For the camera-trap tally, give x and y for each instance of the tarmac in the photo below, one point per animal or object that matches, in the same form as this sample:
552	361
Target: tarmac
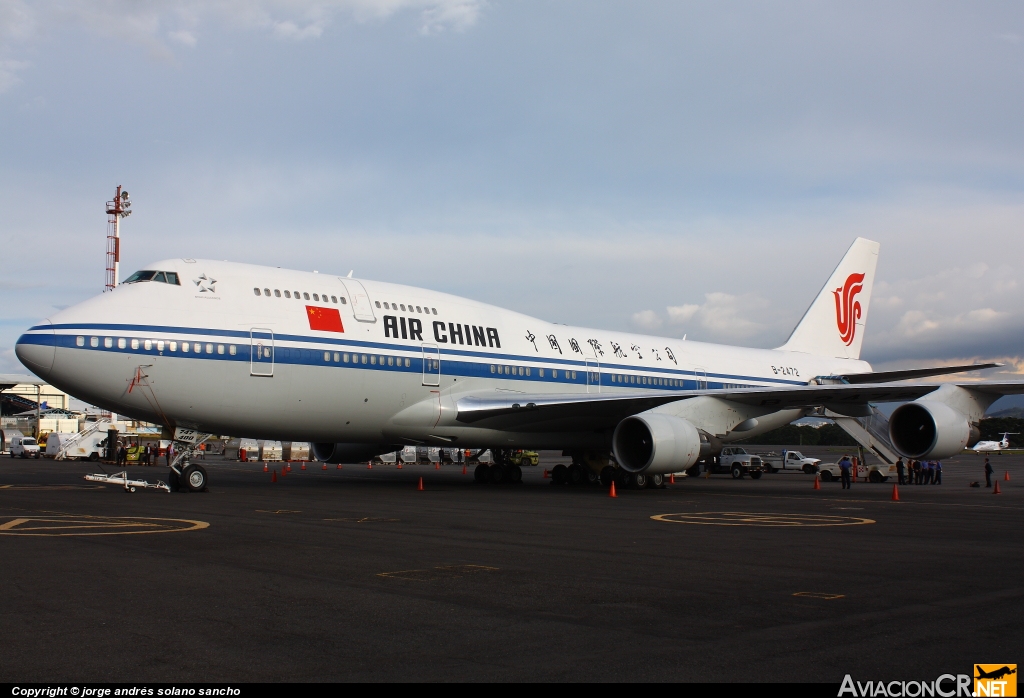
356	575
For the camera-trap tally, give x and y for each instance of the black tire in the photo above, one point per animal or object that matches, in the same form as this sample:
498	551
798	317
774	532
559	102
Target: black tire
515	474
497	474
874	476
481	474
575	474
173	481
93	457
559	474
737	472
194	478
810	469
756	475
826	476
607	476
694	470
656	481
590	477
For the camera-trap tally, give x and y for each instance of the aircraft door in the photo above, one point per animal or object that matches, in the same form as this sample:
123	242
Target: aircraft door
702	378
362	308
593	376
431	365
261	352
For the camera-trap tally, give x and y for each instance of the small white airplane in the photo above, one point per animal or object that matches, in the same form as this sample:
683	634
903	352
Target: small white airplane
361	368
994	445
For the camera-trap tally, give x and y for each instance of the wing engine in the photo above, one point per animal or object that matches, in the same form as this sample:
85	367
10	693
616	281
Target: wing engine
656	443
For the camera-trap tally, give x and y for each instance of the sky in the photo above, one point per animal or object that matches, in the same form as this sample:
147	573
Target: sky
675	168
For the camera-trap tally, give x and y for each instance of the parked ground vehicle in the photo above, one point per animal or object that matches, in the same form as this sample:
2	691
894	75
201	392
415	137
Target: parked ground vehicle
872	473
56	441
24	447
522	458
737	462
789	460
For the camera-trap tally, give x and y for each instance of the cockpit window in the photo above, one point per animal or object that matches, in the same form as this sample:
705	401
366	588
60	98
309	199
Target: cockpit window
164	277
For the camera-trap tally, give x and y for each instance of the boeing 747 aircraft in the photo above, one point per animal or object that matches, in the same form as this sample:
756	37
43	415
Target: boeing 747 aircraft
363	367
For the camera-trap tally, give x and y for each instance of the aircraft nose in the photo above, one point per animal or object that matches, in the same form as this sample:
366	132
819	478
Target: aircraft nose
37	348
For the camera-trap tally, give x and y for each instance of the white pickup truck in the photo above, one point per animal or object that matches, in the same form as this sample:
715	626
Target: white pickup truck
789	460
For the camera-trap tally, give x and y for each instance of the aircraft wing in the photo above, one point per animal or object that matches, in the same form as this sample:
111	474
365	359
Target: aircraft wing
509	410
910	374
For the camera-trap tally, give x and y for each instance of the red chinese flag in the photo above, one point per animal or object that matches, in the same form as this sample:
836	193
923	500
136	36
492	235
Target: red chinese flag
325	319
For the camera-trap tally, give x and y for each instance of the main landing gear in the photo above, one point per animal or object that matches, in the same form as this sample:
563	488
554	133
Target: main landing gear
598	469
502	471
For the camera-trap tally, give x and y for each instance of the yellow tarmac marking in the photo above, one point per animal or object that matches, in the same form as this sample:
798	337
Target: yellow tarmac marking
819	595
745	518
441	572
70	525
278	511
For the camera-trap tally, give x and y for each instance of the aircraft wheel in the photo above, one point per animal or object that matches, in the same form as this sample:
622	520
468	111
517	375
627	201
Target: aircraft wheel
576	475
875	476
826	476
640	481
195	478
737	472
497	474
515	474
756	475
655	481
607	475
559	474
481	474
591	478
173	482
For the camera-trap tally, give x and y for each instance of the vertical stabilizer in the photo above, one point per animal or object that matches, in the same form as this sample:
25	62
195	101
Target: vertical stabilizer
834	324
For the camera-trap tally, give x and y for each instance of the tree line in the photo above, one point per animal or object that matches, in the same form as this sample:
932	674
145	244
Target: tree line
832	434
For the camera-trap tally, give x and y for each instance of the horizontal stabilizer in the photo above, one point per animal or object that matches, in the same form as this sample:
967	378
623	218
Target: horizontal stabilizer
890	376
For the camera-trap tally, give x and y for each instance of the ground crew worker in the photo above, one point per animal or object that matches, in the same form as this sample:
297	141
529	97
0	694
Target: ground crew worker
900	470
844	470
938	472
988	473
122	454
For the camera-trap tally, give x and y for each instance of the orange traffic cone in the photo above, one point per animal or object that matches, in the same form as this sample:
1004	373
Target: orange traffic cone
339	466
303	465
817	483
463	468
265	469
288	467
546	474
399	465
437	466
283	472
611	491
996	490
325	466
895	494
672	478
369	465
420	488
273	478
1006	476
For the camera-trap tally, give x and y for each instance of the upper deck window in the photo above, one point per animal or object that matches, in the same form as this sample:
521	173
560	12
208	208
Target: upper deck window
164	277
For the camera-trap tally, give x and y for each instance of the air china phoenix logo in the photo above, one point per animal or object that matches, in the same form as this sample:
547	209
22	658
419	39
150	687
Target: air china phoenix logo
848	309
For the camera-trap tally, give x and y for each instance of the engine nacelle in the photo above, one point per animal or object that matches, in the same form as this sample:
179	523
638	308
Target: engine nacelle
656	443
347	453
929	429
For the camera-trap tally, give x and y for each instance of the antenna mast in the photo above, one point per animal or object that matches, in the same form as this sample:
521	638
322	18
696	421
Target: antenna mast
120	207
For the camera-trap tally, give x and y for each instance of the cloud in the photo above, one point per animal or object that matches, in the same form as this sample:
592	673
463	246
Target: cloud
9	73
678	314
647	320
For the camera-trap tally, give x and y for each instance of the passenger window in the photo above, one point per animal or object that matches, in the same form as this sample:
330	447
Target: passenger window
184	347
386	306
297	295
220	348
373	359
403	306
147	345
94	341
344	358
266	292
377	303
554	373
277	293
79	341
316	297
408	363
574	375
391	361
434	310
209	348
327	356
334	299
362	358
160	345
418	309
541	372
305	295
121	343
232	350
343	301
287	294
492	368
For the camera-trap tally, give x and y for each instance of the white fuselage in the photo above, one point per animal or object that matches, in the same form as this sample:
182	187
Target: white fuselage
211	354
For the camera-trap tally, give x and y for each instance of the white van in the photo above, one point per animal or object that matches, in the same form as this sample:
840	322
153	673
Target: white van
24	446
55	441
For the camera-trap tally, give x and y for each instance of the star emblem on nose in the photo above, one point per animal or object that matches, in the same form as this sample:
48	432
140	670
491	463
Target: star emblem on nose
205	283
